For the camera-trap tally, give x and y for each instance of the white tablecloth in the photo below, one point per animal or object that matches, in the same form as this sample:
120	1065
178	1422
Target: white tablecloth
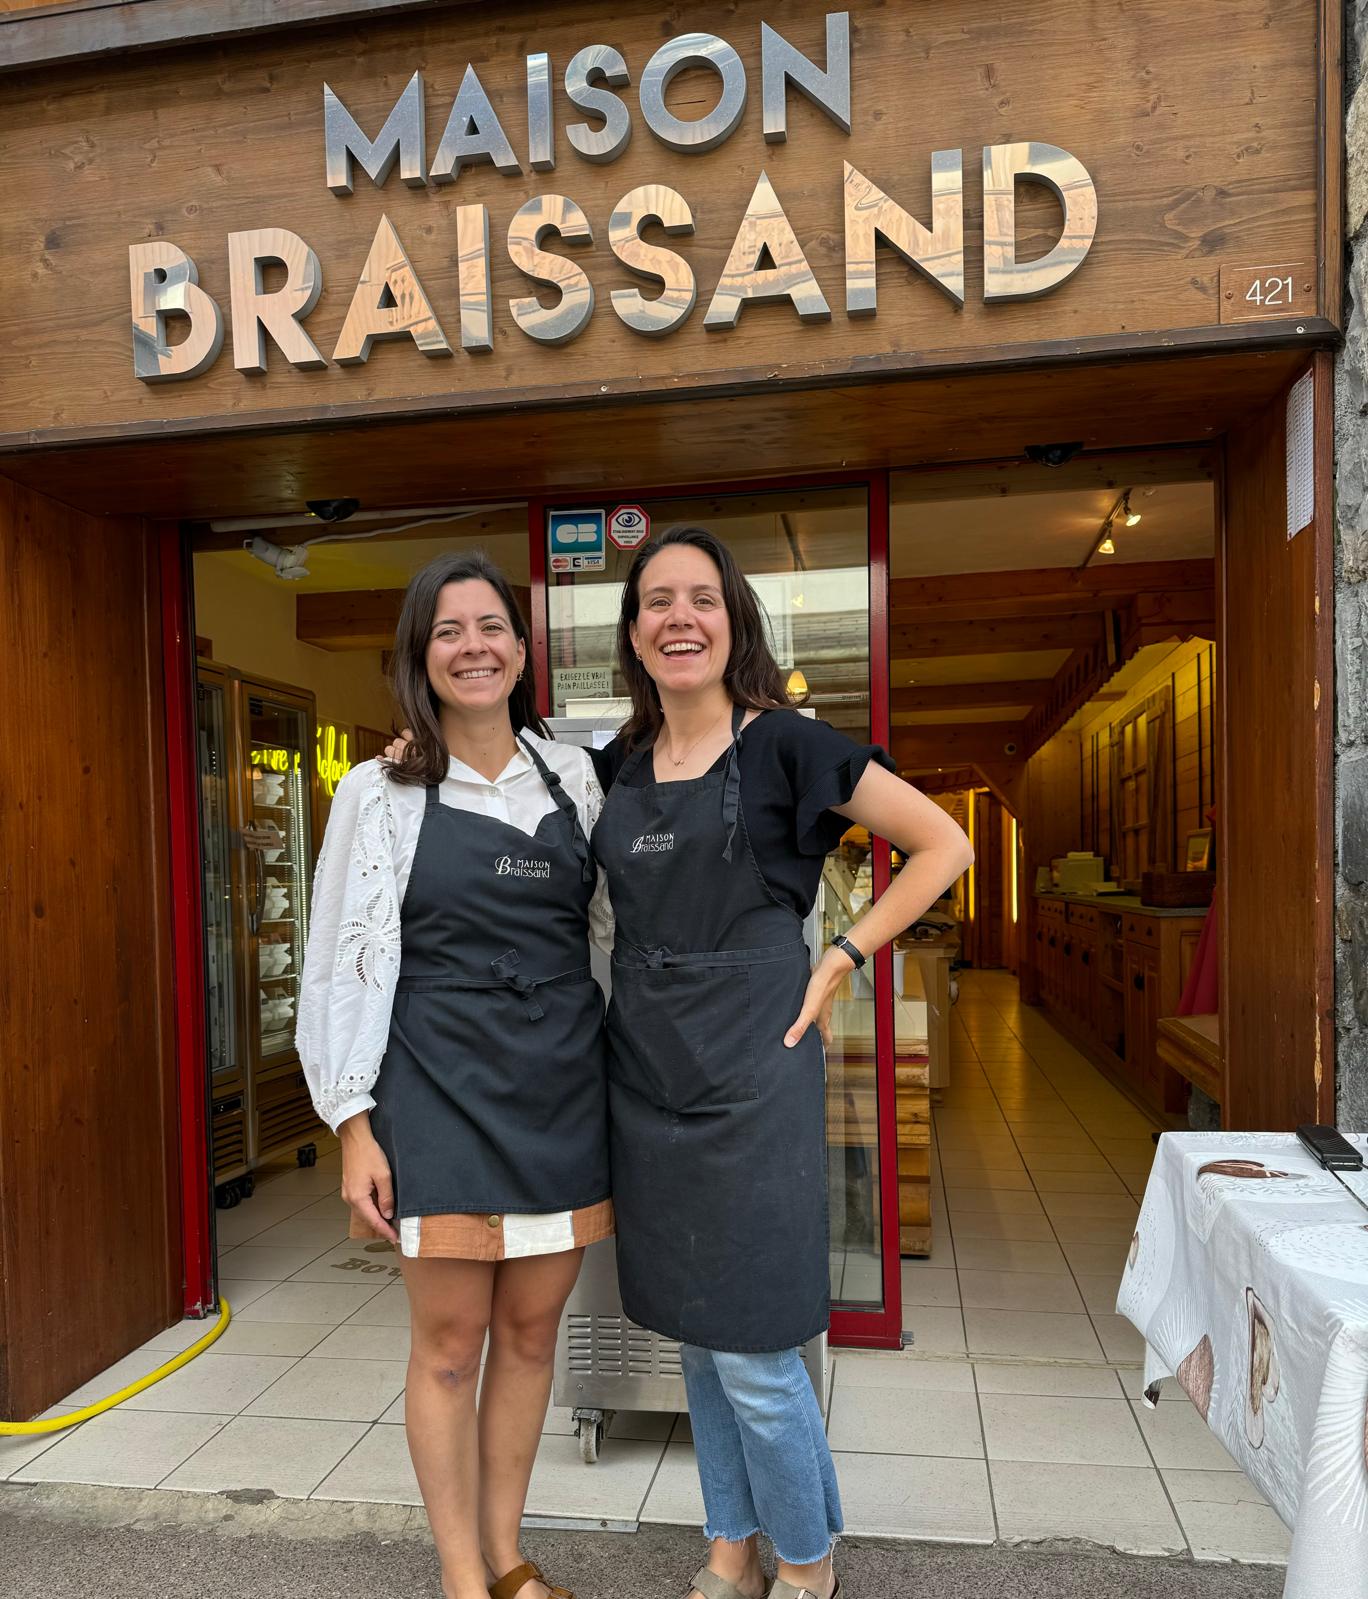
1248	1278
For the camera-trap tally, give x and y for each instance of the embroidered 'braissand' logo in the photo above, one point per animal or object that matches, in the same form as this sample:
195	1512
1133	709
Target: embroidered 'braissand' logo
652	843
506	866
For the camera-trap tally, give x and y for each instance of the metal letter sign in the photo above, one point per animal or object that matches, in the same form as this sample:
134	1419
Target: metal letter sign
563	249
575	541
629	526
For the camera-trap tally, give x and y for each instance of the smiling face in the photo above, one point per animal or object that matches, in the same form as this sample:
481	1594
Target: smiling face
681	631
473	655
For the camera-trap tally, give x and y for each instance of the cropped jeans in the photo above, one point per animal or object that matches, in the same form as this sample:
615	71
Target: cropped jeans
763	1459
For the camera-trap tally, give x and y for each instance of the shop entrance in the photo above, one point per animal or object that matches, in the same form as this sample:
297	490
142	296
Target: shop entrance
291	693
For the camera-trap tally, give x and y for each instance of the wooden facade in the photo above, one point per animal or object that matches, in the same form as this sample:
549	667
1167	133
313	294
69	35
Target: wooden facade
1204	128
90	1226
1199	126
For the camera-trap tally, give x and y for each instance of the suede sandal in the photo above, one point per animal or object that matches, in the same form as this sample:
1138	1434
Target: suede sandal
786	1590
511	1581
711	1586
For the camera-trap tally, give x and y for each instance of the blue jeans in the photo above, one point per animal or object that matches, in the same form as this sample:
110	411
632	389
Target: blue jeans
763	1458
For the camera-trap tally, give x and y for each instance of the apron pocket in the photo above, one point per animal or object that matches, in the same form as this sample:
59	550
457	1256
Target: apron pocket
681	1037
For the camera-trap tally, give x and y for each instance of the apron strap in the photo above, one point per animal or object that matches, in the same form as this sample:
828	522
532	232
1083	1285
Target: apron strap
629	766
566	806
731	788
433	800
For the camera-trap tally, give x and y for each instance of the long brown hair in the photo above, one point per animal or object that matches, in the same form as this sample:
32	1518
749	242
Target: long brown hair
425	760
753	677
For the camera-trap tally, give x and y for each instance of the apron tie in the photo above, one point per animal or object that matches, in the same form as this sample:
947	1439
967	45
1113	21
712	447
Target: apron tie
505	969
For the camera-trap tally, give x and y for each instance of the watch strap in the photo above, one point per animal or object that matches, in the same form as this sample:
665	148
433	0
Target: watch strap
842	943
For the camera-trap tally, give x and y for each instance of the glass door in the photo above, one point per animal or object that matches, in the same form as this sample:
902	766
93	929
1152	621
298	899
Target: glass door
222	1042
806	552
278	834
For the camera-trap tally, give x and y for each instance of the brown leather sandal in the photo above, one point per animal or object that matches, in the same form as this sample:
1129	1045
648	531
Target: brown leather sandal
511	1581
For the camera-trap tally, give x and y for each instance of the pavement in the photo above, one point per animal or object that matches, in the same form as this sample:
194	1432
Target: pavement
71	1541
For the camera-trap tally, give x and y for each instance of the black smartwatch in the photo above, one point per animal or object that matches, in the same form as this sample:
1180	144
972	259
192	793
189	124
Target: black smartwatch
842	943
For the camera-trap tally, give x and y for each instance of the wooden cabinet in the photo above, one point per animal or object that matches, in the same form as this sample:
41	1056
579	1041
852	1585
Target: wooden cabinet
1107	975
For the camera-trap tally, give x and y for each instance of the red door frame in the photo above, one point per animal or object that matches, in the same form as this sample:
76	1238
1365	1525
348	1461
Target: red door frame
187	922
870	1329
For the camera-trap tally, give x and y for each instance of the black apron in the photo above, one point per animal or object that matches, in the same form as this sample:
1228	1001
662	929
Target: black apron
717	1133
492	1096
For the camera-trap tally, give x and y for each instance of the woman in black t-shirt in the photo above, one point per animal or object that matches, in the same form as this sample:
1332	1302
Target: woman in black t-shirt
723	802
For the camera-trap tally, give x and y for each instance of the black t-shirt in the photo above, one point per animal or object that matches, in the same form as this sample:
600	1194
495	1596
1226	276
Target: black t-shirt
793	770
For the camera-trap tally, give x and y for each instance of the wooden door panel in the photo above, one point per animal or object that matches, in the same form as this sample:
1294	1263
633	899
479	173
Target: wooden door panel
1276	807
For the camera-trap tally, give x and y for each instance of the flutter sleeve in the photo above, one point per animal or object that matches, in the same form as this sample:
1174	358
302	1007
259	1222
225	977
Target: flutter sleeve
825	768
351	964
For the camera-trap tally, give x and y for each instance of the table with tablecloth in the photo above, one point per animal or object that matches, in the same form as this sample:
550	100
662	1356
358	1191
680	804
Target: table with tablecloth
1248	1278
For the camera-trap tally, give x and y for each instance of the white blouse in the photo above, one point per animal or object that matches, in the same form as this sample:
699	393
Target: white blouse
351	965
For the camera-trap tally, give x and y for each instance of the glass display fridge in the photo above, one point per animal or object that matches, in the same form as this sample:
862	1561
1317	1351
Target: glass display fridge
258	806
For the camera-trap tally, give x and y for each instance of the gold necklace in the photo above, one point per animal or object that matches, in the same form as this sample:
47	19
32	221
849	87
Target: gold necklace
692	747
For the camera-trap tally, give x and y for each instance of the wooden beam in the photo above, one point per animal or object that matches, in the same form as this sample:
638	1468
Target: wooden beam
916	748
1156	617
937	639
356	619
1081	676
969	696
947	780
1045	591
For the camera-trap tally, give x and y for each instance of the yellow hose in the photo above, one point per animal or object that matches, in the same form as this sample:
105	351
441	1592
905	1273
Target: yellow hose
20	1429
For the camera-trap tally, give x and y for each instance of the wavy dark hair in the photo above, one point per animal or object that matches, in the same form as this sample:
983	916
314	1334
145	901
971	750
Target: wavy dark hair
753	677
425	759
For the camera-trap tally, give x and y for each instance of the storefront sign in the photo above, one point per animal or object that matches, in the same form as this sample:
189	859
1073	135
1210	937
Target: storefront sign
766	260
582	683
629	526
498	211
575	541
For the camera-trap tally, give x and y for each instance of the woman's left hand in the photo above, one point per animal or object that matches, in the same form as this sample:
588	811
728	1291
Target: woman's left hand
827	976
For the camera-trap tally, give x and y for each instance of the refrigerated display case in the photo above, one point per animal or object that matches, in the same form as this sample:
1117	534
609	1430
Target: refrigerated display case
258	810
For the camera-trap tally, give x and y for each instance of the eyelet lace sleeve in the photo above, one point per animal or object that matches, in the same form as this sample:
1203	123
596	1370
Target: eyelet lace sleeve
601	923
352	961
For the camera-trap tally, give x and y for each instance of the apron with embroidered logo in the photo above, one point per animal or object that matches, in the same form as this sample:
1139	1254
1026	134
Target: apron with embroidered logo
492	1094
717	1132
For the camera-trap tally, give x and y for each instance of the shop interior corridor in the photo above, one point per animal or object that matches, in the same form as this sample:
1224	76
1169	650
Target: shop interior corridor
1013	1415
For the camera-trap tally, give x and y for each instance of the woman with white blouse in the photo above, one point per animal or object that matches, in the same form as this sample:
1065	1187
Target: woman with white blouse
452	1036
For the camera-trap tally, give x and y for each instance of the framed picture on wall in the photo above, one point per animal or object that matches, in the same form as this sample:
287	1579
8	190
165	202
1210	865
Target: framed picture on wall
1197	857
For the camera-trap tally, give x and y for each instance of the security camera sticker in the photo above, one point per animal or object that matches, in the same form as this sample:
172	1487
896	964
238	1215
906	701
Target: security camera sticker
576	541
629	526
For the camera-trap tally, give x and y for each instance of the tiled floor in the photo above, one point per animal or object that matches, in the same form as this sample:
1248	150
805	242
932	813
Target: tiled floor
1014	1415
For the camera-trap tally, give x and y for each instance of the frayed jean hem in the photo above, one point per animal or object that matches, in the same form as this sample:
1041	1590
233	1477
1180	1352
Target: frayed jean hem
711	1534
808	1560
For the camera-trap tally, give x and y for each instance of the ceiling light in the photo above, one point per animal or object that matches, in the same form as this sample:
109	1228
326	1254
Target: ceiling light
797	684
1132	517
798	602
1107	546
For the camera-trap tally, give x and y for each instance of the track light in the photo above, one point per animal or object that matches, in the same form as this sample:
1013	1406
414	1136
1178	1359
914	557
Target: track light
1108	545
1132	517
797	684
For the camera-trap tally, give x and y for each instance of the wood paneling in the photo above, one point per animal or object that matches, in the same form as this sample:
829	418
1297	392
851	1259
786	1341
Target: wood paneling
1276	826
1051	591
1051	825
89	1232
228	135
693	441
